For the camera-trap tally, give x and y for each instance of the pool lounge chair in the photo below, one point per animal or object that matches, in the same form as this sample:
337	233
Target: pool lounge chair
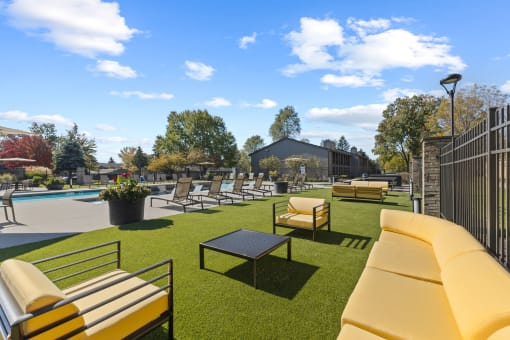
238	190
7	202
181	195
215	191
257	188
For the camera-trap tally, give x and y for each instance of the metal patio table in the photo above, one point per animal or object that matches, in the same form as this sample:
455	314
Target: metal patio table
247	244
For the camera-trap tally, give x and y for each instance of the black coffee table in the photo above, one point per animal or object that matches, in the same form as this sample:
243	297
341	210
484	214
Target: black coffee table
247	244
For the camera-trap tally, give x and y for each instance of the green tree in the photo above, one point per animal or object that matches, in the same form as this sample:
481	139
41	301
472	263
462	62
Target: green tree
140	159
199	130
88	146
70	156
403	126
270	163
111	161
343	144
286	124
47	131
244	162
471	106
253	143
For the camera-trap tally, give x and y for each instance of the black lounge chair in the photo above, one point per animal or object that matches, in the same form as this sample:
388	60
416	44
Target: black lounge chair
257	187
7	202
238	190
181	195
215	191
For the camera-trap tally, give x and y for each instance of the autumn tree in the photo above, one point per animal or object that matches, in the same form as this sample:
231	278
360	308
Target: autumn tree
270	163
166	163
28	146
126	156
197	130
472	104
286	124
403	127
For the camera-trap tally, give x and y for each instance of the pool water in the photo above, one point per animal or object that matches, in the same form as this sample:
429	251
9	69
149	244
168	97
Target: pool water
57	195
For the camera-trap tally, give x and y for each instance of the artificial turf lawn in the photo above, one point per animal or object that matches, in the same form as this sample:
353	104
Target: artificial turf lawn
301	299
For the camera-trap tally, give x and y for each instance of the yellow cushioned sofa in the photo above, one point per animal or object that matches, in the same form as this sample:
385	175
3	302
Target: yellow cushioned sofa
357	192
372	184
427	278
112	305
302	213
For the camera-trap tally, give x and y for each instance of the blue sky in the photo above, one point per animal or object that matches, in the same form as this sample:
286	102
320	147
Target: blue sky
118	68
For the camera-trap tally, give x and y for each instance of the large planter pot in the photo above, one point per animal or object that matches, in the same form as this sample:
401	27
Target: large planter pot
280	187
124	212
55	186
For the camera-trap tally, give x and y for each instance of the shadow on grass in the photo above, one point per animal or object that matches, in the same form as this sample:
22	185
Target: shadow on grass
367	201
207	211
15	251
275	275
157	223
333	237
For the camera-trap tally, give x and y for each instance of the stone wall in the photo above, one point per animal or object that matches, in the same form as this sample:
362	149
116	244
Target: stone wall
431	174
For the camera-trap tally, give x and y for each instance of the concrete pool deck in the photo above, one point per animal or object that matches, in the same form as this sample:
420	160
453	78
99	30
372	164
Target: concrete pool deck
40	220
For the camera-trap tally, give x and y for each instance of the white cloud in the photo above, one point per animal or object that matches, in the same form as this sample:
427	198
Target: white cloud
363	56
266	104
105	127
311	43
506	87
199	71
143	95
113	139
84	27
15	115
247	39
362	27
351	80
114	70
391	94
218	102
367	116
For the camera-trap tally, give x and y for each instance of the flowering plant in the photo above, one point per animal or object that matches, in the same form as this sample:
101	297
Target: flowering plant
128	190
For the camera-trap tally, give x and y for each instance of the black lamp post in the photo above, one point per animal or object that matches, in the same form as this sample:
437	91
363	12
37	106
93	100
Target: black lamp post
452	79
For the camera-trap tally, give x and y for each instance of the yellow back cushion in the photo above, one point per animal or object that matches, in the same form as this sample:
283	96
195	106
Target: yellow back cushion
360	183
29	286
453	241
304	205
478	291
420	226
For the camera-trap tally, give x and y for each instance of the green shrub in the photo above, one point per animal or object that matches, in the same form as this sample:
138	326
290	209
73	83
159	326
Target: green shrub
7	178
55	180
37	180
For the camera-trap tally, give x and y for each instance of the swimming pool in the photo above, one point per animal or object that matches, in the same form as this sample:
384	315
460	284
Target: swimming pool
57	195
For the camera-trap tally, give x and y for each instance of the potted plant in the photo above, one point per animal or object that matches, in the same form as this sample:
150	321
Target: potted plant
126	201
55	183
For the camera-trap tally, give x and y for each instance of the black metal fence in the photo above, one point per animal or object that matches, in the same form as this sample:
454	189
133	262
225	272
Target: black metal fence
476	195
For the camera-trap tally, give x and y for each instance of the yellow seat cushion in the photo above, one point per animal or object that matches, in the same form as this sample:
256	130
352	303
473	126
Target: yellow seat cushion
350	332
344	191
305	205
301	220
125	322
501	334
399	307
405	258
420	226
369	192
454	241
478	291
32	291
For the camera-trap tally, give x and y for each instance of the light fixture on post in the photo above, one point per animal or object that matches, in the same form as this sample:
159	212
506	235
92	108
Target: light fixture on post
452	79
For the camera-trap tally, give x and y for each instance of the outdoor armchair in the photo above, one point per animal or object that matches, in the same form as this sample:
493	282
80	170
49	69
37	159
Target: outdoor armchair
302	213
113	304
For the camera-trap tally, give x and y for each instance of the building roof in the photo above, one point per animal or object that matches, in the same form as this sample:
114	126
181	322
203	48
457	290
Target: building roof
298	141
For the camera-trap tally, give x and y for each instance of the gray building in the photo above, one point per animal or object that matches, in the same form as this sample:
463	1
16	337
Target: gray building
333	162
